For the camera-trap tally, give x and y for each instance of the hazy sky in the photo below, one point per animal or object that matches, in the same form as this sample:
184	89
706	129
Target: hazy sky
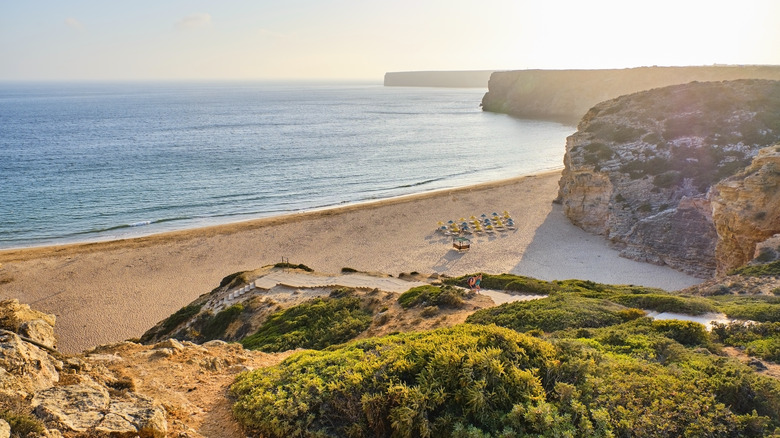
363	39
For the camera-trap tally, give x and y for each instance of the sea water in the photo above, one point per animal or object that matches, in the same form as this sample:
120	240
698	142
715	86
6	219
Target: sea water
99	161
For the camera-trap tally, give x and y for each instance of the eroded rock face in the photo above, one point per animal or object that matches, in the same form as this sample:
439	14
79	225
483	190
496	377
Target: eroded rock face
90	408
24	367
640	167
746	211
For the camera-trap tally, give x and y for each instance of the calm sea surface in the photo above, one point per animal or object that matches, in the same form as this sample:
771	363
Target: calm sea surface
84	162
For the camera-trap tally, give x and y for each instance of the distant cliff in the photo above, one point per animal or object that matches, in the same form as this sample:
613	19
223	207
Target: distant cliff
652	171
451	79
566	95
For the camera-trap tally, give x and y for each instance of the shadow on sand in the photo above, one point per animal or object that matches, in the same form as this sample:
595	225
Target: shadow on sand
561	251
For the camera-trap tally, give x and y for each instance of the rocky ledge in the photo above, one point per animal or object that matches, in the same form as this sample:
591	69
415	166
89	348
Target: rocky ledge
685	175
566	95
122	390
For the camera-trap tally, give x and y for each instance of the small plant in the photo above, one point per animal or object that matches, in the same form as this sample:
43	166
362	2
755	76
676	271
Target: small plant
286	265
429	311
428	295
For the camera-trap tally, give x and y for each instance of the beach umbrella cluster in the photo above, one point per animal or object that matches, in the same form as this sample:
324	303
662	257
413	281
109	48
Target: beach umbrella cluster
477	225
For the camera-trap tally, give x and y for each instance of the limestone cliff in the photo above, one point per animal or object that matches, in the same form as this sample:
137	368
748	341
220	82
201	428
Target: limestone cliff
566	95
639	168
746	210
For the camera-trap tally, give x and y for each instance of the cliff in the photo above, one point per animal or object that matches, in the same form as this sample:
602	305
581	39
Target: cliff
451	79
746	212
566	95
640	168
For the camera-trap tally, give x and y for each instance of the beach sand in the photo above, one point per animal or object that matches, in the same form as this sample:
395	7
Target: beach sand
110	291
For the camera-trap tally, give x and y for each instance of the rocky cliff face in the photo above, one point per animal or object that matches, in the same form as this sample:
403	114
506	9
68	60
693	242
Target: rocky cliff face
566	95
128	390
640	167
746	212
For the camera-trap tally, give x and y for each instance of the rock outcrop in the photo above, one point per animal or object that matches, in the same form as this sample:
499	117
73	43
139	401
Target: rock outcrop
746	212
120	391
640	167
566	95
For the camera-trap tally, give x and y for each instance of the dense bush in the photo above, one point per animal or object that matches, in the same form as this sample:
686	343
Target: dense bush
480	381
418	384
287	265
550	314
170	323
760	340
317	323
664	303
214	328
761	308
428	295
509	283
761	270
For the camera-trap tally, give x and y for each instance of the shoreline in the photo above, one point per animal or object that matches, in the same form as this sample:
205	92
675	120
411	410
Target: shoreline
106	292
258	222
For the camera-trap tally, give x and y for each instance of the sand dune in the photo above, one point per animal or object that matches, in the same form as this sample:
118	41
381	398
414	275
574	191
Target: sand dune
110	291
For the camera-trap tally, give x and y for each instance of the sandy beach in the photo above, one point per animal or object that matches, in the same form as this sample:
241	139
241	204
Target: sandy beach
110	291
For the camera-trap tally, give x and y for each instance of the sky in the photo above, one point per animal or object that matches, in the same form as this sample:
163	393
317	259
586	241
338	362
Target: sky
363	39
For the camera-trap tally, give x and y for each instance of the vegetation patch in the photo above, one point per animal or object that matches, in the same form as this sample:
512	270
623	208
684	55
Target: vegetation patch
761	270
550	314
214	328
317	324
173	321
760	340
509	283
480	381
286	265
428	295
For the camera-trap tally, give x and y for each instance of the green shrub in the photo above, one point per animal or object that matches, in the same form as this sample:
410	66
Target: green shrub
317	323
429	312
760	340
23	424
215	327
509	282
665	303
428	295
417	384
687	333
550	314
170	323
762	312
286	265
762	270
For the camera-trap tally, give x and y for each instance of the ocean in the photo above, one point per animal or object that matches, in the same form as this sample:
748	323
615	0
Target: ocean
99	161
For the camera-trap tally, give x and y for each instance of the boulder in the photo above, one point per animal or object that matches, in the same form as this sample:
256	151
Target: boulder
88	408
39	331
25	367
13	313
746	211
5	429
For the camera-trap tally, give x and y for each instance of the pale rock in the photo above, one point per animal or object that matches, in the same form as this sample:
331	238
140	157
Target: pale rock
25	367
171	344
5	429
13	313
75	407
89	408
746	210
39	331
